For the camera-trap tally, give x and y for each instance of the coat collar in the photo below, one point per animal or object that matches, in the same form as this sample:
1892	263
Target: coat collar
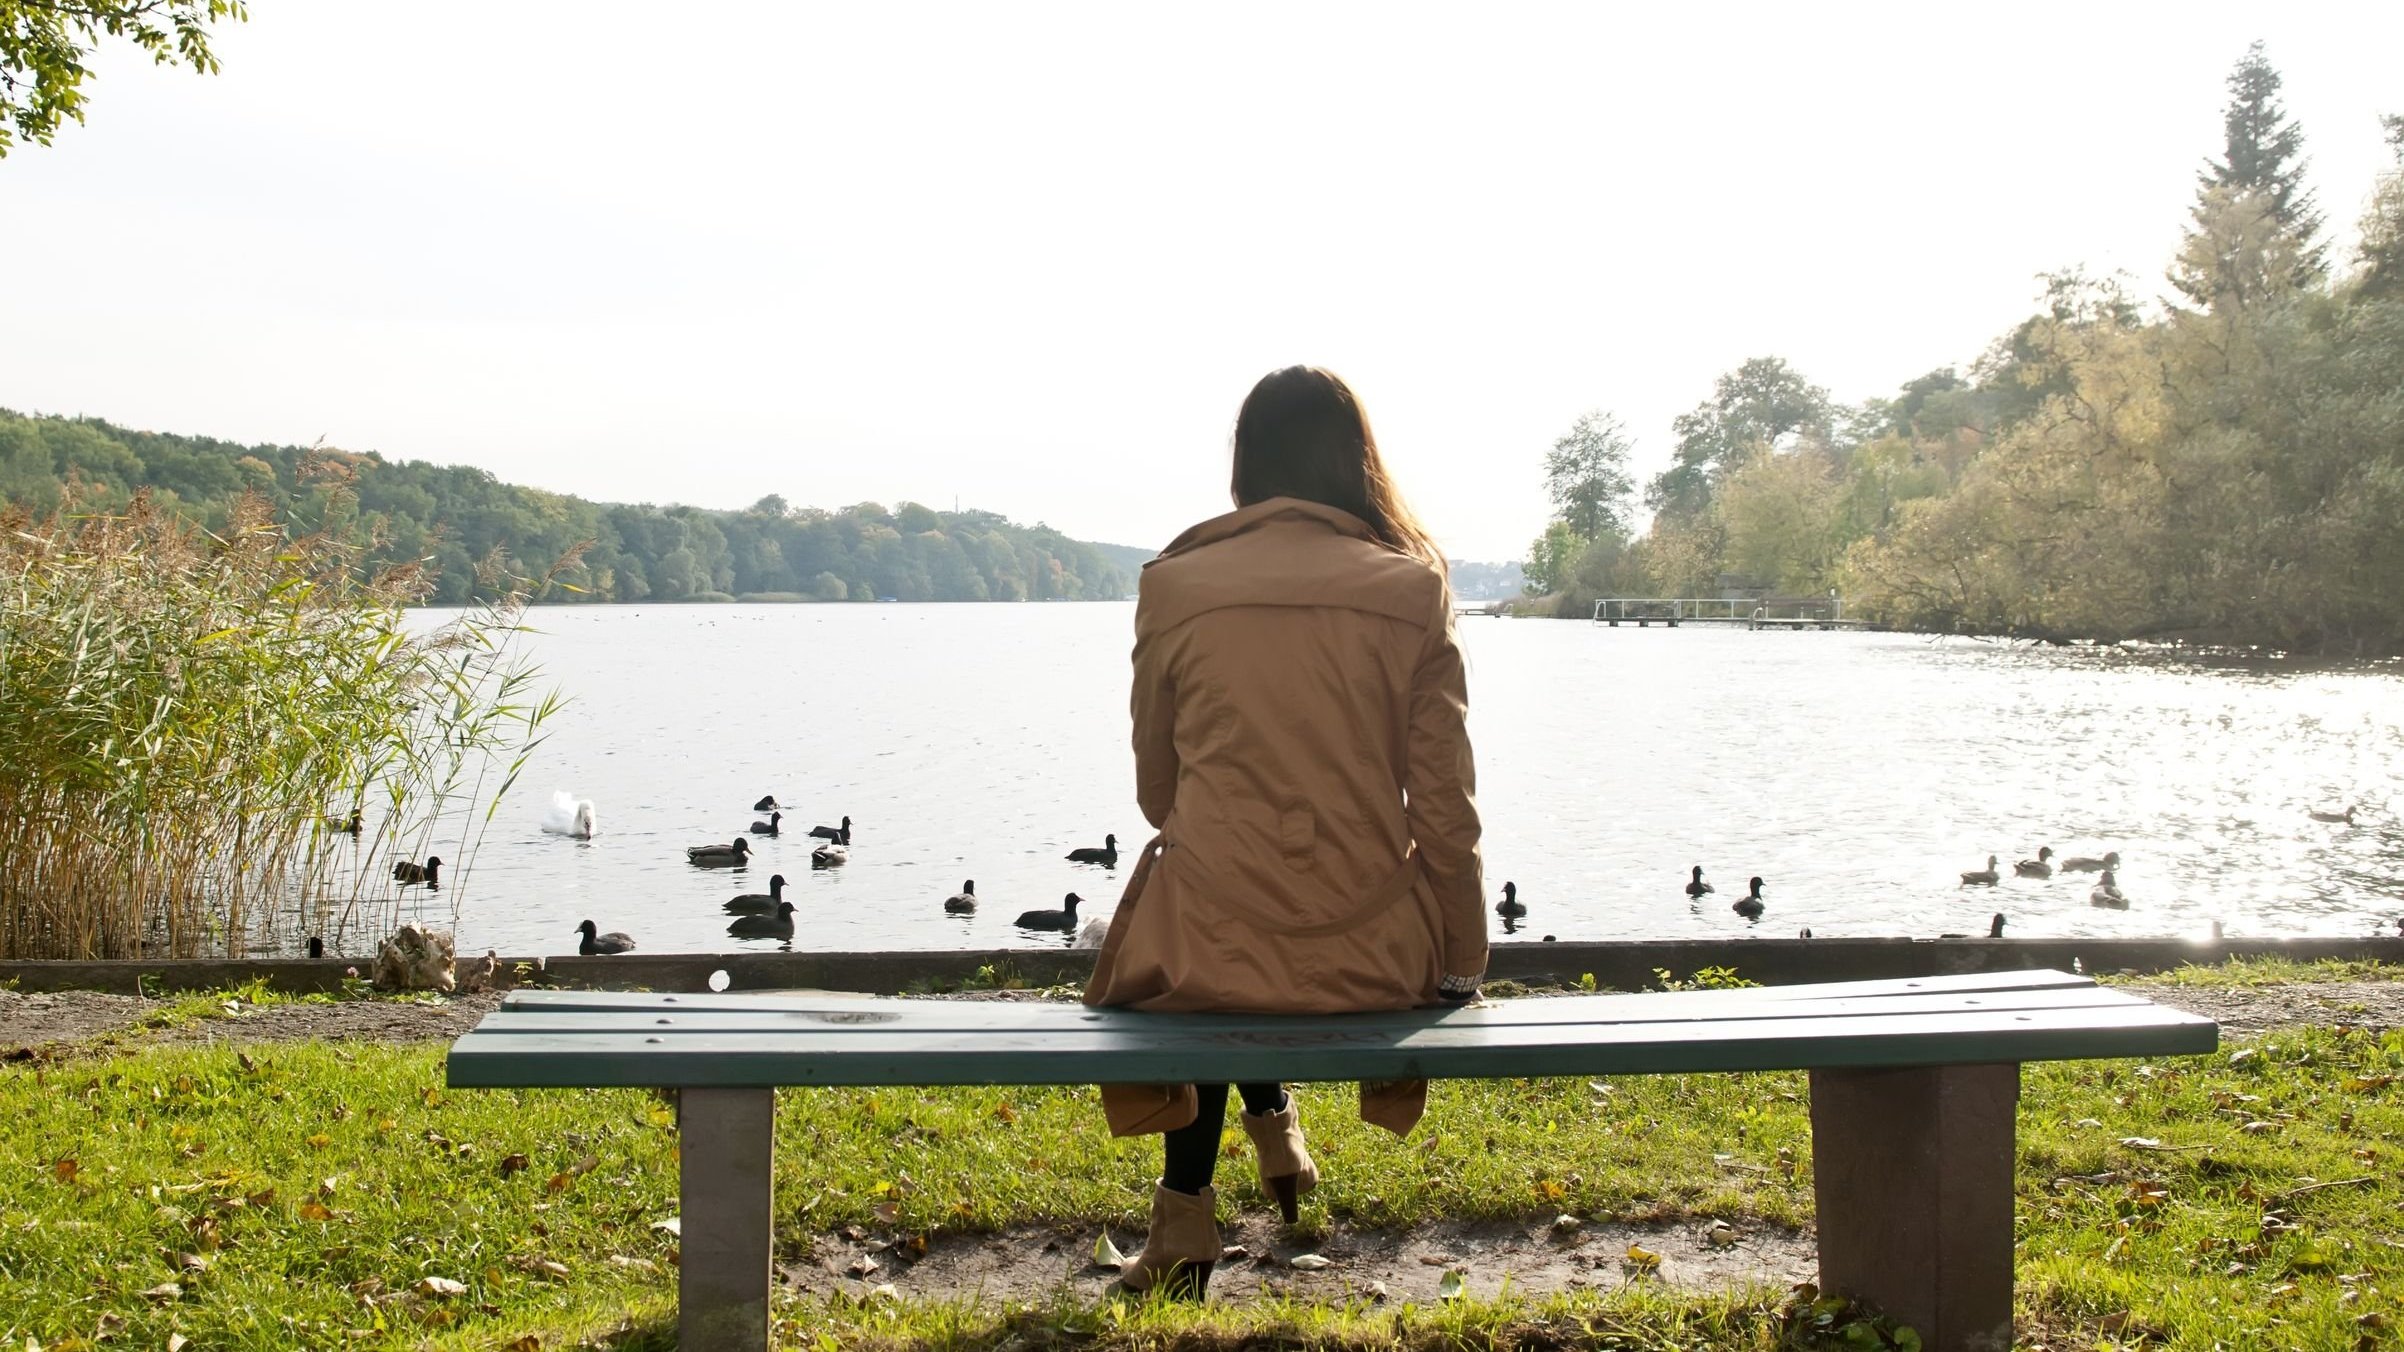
1266	512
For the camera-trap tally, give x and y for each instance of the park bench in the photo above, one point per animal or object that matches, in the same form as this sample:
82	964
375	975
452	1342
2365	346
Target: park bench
1914	1083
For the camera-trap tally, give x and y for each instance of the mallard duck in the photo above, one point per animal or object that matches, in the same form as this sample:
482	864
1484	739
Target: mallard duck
347	826
1063	919
770	827
480	974
838	833
777	926
767	803
612	942
2039	867
2107	894
1107	856
1510	907
2080	863
429	872
963	900
759	903
829	856
1982	877
2344	818
1750	905
569	815
1697	887
719	856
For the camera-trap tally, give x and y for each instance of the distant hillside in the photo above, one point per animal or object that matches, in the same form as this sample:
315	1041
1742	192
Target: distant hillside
457	515
1130	559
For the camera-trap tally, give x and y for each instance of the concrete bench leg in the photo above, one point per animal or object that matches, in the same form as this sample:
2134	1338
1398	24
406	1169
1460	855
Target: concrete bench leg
1913	1183
726	1179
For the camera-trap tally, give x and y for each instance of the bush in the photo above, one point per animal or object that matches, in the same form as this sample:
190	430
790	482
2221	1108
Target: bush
195	721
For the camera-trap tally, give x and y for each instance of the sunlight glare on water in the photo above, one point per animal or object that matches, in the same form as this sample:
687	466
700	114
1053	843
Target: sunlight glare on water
1858	774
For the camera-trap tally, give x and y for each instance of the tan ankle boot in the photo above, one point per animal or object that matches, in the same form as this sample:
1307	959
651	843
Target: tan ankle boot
1286	1168
1179	1248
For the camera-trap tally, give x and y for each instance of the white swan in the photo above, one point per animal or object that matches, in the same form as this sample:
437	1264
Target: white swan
569	815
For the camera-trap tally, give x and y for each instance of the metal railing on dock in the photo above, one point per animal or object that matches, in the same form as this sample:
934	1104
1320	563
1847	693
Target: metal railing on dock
1751	612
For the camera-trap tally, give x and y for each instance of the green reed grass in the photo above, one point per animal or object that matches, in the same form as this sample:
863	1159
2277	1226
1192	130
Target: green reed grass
188	720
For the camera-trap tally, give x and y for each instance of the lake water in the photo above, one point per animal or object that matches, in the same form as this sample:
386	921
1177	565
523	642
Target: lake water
1859	774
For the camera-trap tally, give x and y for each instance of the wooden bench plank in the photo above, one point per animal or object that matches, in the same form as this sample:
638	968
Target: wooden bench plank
1438	1051
898	1016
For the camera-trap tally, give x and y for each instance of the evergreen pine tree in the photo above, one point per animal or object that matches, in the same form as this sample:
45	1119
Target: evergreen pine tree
2262	157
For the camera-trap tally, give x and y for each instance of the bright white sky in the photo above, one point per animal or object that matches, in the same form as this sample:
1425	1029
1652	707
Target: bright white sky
1030	256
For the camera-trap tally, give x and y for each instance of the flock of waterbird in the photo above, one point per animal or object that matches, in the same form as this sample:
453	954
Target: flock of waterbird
768	915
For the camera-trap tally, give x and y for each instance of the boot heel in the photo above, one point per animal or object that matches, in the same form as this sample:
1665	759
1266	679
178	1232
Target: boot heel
1286	1188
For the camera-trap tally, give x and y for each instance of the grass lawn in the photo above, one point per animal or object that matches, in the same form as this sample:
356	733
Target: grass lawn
322	1195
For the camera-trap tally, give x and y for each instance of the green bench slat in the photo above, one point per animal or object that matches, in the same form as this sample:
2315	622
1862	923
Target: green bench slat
937	1017
1446	1046
1567	1009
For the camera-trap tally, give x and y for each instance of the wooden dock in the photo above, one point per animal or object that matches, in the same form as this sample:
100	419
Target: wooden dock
1672	611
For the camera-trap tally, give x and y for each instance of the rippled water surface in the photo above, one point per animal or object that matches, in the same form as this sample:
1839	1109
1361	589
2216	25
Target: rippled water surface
1859	774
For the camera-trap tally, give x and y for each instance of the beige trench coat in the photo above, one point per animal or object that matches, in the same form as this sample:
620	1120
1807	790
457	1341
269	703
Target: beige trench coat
1300	744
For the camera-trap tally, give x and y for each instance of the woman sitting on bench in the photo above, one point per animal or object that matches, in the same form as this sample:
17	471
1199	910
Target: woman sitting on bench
1300	745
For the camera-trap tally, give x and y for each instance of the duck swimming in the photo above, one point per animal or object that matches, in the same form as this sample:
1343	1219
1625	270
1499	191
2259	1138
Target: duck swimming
1107	856
719	856
759	903
963	900
612	942
767	803
769	827
2087	864
1063	919
841	833
1982	877
829	856
1697	887
2039	867
777	926
2345	818
1750	906
429	872
2107	894
1510	907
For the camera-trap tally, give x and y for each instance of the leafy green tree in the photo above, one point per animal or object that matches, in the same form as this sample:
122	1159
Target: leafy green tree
1761	406
2382	251
1550	558
1586	475
2260	172
45	43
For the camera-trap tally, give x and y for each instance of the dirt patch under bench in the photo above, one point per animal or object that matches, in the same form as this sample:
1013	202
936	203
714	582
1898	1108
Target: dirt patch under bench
1035	1263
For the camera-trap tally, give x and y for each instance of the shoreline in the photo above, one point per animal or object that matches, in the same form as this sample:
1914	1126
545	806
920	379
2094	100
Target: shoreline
1629	965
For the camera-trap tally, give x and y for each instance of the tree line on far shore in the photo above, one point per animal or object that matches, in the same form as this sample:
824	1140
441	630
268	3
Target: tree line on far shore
2224	464
459	518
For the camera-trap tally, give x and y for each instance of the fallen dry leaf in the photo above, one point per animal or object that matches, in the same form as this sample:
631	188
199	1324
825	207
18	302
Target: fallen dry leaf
1643	1259
1309	1262
863	1265
65	1170
177	1342
673	1225
164	1292
510	1164
439	1288
523	1343
315	1211
1454	1285
1106	1254
1721	1234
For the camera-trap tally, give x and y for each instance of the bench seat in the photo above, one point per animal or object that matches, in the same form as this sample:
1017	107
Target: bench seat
1913	1087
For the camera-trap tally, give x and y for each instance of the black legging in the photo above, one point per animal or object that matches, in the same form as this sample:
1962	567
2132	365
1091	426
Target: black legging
1191	1152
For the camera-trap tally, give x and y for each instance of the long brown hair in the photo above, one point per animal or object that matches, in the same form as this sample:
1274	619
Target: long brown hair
1302	434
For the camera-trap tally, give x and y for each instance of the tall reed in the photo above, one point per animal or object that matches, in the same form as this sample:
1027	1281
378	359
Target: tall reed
188	721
